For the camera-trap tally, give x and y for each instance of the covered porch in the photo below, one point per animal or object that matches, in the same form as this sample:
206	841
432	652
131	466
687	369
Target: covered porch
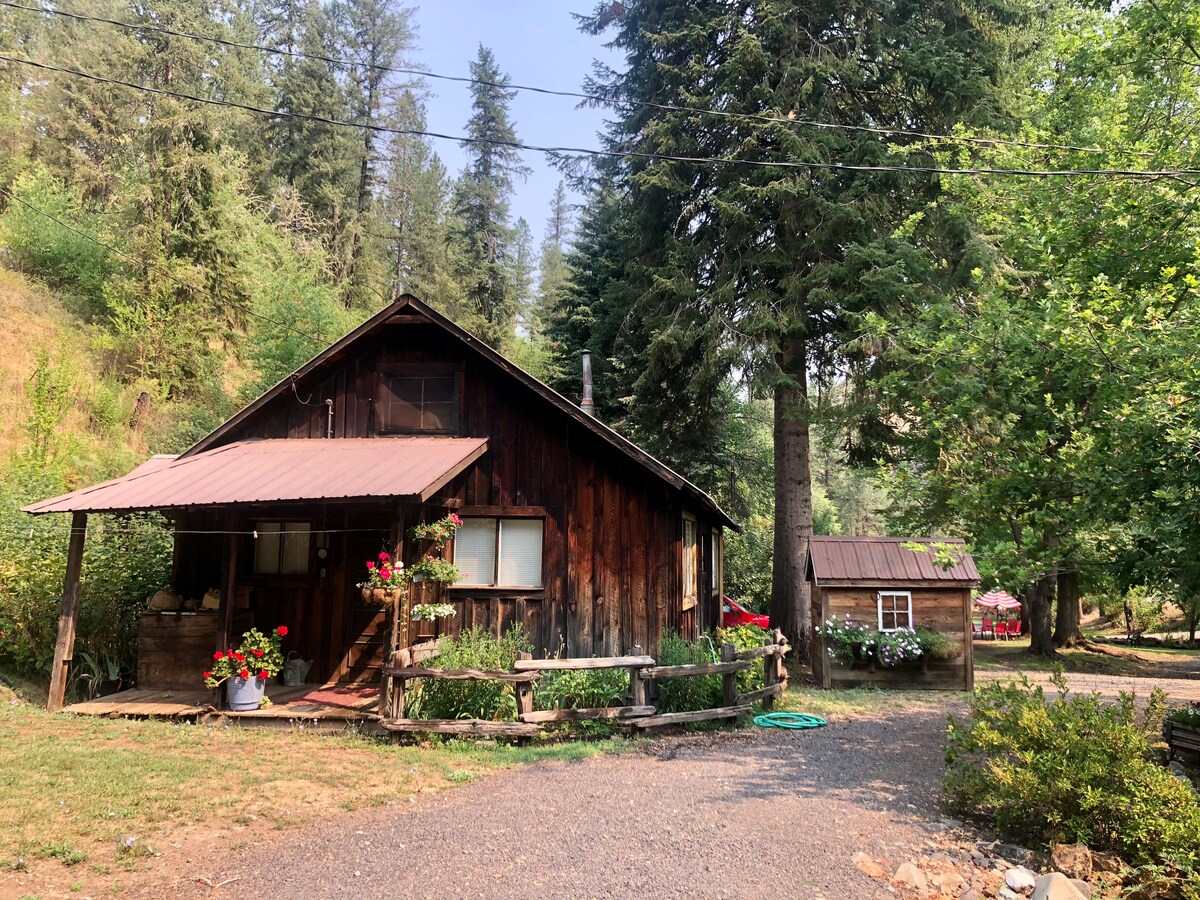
267	533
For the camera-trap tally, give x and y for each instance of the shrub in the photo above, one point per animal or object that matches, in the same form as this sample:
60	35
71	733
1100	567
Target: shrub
688	692
1071	770
746	637
583	689
473	649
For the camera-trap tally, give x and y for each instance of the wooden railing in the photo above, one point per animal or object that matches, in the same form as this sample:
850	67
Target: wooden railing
644	675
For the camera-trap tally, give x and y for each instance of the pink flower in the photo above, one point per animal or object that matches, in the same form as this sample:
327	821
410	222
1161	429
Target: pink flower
384	557
370	564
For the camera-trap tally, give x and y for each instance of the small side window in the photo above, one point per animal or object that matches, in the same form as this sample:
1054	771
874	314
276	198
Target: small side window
895	610
691	559
281	548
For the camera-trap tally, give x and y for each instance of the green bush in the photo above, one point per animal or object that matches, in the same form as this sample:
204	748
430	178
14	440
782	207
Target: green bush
688	692
1073	769
746	637
583	689
473	649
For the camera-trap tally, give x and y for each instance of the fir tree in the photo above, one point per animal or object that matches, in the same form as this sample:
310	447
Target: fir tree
481	202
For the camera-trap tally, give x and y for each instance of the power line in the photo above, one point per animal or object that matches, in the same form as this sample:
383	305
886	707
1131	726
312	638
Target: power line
591	98
149	267
616	154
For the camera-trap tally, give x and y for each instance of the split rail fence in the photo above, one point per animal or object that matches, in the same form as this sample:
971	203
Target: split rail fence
644	675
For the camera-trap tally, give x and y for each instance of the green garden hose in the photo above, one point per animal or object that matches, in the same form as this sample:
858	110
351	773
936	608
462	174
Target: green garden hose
788	720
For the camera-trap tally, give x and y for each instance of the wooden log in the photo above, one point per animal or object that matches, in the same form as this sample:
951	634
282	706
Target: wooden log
718	668
770	692
637	689
462	674
770	680
580	715
524	691
699	715
594	662
463	726
68	617
397	698
760	652
729	679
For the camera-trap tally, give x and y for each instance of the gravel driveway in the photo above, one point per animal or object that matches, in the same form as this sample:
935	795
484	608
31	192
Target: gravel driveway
755	813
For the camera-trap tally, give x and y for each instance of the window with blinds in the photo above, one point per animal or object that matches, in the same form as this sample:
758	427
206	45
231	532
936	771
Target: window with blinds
281	548
494	552
691	568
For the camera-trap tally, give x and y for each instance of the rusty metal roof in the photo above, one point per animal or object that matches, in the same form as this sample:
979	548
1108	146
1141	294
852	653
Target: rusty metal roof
280	470
871	560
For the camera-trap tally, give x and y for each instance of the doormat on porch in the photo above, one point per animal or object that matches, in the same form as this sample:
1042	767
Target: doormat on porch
349	696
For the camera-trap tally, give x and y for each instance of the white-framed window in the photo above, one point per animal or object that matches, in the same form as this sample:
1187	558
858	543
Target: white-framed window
691	561
717	548
497	552
281	548
895	610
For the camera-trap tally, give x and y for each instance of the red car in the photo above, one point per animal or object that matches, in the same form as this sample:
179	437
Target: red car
732	613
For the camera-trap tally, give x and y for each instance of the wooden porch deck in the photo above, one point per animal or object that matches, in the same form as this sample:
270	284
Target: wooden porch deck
337	704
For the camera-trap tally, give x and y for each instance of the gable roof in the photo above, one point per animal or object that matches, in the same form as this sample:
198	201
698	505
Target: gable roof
280	470
408	304
884	560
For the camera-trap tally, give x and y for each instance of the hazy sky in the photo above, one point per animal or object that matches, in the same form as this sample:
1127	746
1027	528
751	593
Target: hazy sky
536	42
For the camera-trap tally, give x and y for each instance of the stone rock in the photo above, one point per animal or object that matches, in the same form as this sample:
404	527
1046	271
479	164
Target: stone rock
1083	887
1006	894
1073	860
868	866
1175	767
971	894
912	876
1107	862
1055	886
1020	879
1020	856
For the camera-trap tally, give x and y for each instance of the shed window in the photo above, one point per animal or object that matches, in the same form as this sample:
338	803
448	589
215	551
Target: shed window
499	553
281	548
895	610
425	403
691	560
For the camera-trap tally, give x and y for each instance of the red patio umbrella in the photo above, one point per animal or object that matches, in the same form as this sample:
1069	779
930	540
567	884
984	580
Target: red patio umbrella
998	599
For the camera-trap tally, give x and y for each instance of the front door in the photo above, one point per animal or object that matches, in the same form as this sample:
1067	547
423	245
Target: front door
367	623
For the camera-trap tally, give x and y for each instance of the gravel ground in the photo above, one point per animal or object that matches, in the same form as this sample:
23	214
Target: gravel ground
755	813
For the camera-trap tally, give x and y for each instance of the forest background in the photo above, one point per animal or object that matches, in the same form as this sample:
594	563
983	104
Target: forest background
824	265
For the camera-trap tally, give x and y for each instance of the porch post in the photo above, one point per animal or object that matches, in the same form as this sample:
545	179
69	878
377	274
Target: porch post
229	590
64	647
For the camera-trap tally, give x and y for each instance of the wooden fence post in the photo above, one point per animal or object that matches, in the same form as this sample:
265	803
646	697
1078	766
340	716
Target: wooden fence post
729	679
524	690
770	678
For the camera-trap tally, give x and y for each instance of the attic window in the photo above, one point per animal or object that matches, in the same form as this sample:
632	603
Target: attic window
424	401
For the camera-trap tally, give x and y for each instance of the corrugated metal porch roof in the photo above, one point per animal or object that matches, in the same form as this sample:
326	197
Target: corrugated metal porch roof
850	560
280	470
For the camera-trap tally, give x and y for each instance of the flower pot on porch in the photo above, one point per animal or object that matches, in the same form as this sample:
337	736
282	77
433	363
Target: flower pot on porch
244	694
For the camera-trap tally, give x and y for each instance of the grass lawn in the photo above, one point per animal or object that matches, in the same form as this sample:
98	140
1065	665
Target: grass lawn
1145	662
73	787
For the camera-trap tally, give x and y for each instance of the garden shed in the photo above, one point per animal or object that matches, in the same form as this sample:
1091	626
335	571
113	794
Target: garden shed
884	585
565	528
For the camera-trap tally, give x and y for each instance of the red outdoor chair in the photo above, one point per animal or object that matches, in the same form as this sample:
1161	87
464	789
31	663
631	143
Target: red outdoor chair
989	628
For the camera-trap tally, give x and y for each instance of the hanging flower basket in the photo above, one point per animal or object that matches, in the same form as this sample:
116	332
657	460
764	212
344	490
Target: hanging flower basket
386	580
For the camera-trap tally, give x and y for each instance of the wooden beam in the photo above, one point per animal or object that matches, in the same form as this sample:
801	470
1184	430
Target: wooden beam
718	668
580	715
699	715
770	692
68	617
229	592
463	726
462	674
594	662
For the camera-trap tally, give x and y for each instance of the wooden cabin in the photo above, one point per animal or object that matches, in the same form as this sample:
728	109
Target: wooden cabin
885	585
577	535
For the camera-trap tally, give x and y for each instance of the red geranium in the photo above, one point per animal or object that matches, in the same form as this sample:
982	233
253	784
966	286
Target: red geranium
385	573
281	631
259	656
384	557
370	564
218	655
244	673
263	674
208	674
257	653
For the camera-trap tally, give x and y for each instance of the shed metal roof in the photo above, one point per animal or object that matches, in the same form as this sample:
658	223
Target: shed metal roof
875	560
280	470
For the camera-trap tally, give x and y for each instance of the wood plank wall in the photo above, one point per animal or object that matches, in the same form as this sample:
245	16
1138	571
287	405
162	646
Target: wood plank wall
612	536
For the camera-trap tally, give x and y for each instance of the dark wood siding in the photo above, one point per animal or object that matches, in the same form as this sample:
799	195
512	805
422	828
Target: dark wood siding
612	530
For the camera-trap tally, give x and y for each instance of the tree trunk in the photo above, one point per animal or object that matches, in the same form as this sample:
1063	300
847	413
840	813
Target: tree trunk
1041	595
791	598
1069	615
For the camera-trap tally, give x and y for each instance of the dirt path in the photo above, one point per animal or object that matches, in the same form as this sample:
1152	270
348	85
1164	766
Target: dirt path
1179	689
755	813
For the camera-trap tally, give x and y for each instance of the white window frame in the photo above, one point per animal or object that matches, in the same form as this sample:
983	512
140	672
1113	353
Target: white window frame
499	548
879	608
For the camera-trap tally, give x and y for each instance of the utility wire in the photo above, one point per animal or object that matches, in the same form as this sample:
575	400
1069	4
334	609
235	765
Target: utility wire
149	267
616	154
591	98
